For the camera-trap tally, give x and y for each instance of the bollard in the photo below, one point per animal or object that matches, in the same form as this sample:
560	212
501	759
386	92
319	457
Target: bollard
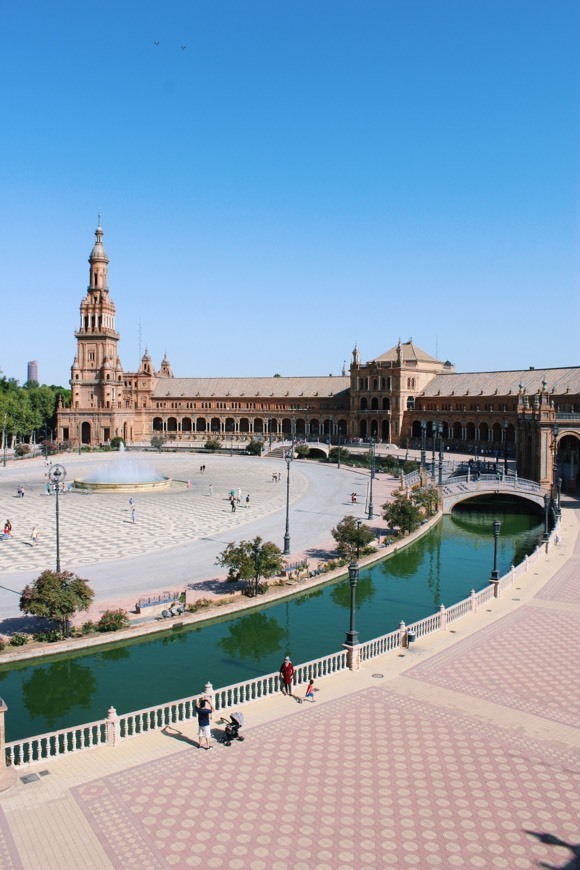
402	635
473	601
442	618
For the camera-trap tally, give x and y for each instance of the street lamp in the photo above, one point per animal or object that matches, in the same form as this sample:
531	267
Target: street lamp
555	433
495	573
559	495
440	433
353	572
546	536
423	442
505	458
433	434
56	476
4	441
338	446
371	514
286	551
270	431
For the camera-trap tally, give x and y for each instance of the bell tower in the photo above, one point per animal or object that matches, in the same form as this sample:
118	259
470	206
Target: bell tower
97	373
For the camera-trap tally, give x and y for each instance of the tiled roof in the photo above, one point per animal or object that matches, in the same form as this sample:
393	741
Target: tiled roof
409	351
486	383
307	387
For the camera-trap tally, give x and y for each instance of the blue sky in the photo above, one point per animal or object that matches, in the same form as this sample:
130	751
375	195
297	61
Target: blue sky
300	177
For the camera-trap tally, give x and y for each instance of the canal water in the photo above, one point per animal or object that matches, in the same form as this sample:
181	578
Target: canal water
441	568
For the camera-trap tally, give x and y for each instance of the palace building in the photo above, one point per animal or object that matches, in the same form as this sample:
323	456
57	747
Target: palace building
404	396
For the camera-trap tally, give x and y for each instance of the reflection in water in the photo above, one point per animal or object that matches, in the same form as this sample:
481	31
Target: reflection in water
51	692
365	591
115	654
253	637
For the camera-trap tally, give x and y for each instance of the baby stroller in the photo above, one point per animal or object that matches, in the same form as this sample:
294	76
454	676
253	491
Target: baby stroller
232	728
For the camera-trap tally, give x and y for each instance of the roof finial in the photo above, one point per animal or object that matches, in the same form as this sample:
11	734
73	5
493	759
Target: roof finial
99	219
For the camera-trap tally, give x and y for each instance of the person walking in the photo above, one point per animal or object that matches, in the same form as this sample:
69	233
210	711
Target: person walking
33	537
286	676
309	694
204	710
210	489
248	500
133	515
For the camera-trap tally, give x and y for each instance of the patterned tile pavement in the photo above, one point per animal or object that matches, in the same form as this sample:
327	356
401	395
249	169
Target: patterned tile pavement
529	681
376	780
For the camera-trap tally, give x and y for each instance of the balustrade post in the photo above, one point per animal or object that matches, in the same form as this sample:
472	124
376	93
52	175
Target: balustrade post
473	601
112	726
8	775
352	656
513	570
527	564
402	634
442	618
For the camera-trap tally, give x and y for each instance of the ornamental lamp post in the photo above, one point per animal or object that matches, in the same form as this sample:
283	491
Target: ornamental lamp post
546	536
496	526
440	433
559	495
371	514
423	442
555	433
286	551
4	441
505	457
433	434
353	574
56	476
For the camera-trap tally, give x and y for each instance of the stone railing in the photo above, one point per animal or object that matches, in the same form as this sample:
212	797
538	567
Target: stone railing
116	728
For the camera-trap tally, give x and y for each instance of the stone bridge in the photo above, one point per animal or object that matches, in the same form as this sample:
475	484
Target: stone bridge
460	489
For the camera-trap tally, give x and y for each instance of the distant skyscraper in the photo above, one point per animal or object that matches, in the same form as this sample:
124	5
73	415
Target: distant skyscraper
33	370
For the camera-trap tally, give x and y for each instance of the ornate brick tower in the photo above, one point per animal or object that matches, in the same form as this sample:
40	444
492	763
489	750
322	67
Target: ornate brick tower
96	373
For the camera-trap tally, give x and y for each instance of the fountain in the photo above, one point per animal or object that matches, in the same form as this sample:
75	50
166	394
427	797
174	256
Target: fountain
125	474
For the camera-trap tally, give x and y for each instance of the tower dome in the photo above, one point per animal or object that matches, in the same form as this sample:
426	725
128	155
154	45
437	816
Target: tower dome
98	253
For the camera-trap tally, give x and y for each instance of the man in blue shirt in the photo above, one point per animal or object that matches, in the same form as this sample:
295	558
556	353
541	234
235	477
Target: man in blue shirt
204	710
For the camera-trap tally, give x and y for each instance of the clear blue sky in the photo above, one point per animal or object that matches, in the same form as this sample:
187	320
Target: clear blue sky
301	176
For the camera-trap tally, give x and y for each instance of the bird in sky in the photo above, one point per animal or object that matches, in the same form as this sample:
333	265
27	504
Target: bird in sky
156	43
183	47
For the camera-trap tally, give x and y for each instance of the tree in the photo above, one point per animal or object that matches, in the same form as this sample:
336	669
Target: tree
402	514
254	447
426	498
252	561
56	597
335	452
351	536
157	441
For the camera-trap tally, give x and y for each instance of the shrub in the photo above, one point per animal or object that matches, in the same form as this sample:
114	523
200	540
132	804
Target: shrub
213	444
254	448
88	627
50	636
2	644
115	442
22	449
113	620
157	441
302	451
200	604
254	589
19	639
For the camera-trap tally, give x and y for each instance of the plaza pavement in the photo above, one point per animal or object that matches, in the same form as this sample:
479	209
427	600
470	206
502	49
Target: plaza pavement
462	751
178	533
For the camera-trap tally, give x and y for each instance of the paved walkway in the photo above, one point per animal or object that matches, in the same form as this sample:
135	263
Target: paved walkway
463	751
178	533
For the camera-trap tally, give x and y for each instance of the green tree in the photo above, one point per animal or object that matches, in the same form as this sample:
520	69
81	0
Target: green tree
213	444
157	441
254	447
252	561
56	597
426	498
402	514
352	537
302	451
334	453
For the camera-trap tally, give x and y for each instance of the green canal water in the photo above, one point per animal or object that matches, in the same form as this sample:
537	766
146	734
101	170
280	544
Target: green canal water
441	568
